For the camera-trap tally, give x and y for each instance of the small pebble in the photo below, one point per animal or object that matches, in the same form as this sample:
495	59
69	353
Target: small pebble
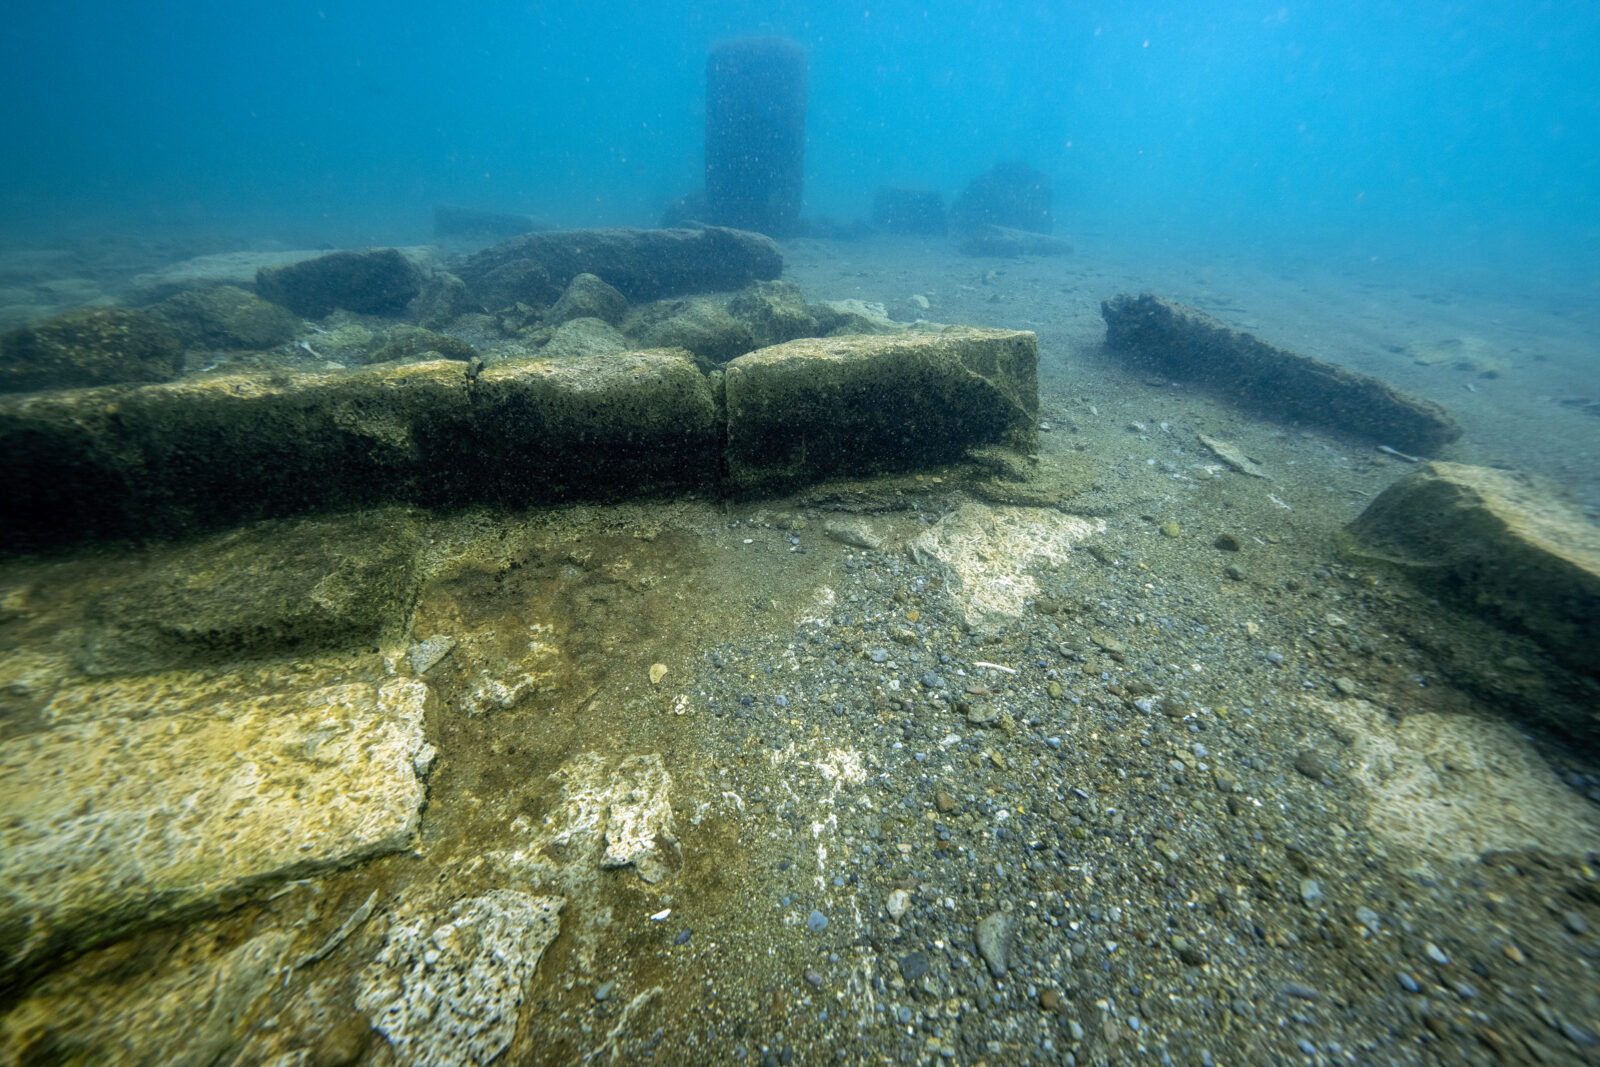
1408	983
1303	992
816	922
1574	923
1436	954
683	937
814	978
1310	892
603	990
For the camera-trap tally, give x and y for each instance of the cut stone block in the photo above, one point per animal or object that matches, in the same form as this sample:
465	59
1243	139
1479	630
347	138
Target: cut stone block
816	407
640	264
110	825
218	450
1192	346
1494	541
275	588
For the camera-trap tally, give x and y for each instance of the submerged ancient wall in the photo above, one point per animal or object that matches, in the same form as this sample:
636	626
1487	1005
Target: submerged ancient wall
204	452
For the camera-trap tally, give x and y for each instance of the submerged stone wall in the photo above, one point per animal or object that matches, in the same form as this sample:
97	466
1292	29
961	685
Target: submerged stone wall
207	452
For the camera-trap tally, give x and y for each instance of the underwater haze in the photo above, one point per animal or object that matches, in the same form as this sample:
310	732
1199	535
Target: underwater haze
1466	133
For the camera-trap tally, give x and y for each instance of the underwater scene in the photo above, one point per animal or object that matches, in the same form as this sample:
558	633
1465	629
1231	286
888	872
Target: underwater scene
795	533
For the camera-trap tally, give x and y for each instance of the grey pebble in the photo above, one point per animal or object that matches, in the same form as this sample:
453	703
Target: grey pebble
879	655
683	937
814	978
603	990
1368	918
993	939
1303	992
1574	923
1436	954
1311	764
913	965
1310	892
1408	983
932	681
816	922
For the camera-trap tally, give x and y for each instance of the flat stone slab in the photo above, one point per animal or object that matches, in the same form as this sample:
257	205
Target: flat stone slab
821	406
1495	541
213	451
112	824
276	588
1191	346
640	264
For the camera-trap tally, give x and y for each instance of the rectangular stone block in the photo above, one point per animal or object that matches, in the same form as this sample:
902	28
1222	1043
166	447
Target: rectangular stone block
1193	347
115	823
205	452
817	407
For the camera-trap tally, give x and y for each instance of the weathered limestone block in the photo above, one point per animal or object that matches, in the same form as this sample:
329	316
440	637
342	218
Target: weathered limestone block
1194	347
816	407
218	450
109	825
274	588
1493	540
640	264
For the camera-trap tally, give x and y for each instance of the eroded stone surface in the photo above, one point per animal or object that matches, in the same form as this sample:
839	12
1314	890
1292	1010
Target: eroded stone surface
110	824
445	988
1455	786
987	553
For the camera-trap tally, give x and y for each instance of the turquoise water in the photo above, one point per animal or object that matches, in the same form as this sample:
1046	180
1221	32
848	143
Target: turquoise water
1467	133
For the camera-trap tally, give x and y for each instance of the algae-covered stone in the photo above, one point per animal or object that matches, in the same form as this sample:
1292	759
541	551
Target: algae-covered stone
406	343
774	312
699	324
444	298
1493	540
376	282
584	337
111	825
816	407
588	297
275	588
92	346
222	449
226	317
1186	344
640	264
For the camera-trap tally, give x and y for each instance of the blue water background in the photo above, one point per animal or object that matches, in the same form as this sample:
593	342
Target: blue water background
1445	133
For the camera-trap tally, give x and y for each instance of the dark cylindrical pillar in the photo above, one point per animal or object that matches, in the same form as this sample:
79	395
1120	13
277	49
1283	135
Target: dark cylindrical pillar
755	134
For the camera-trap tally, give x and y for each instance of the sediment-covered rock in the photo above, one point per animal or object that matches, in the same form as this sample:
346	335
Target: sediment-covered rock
112	824
294	587
1194	347
821	406
91	346
640	264
380	281
226	317
219	450
1494	541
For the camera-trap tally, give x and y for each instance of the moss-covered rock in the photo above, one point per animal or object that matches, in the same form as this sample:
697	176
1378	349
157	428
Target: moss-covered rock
216	450
1493	542
699	324
822	406
774	312
226	317
443	300
411	343
377	282
584	337
92	346
588	297
275	588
